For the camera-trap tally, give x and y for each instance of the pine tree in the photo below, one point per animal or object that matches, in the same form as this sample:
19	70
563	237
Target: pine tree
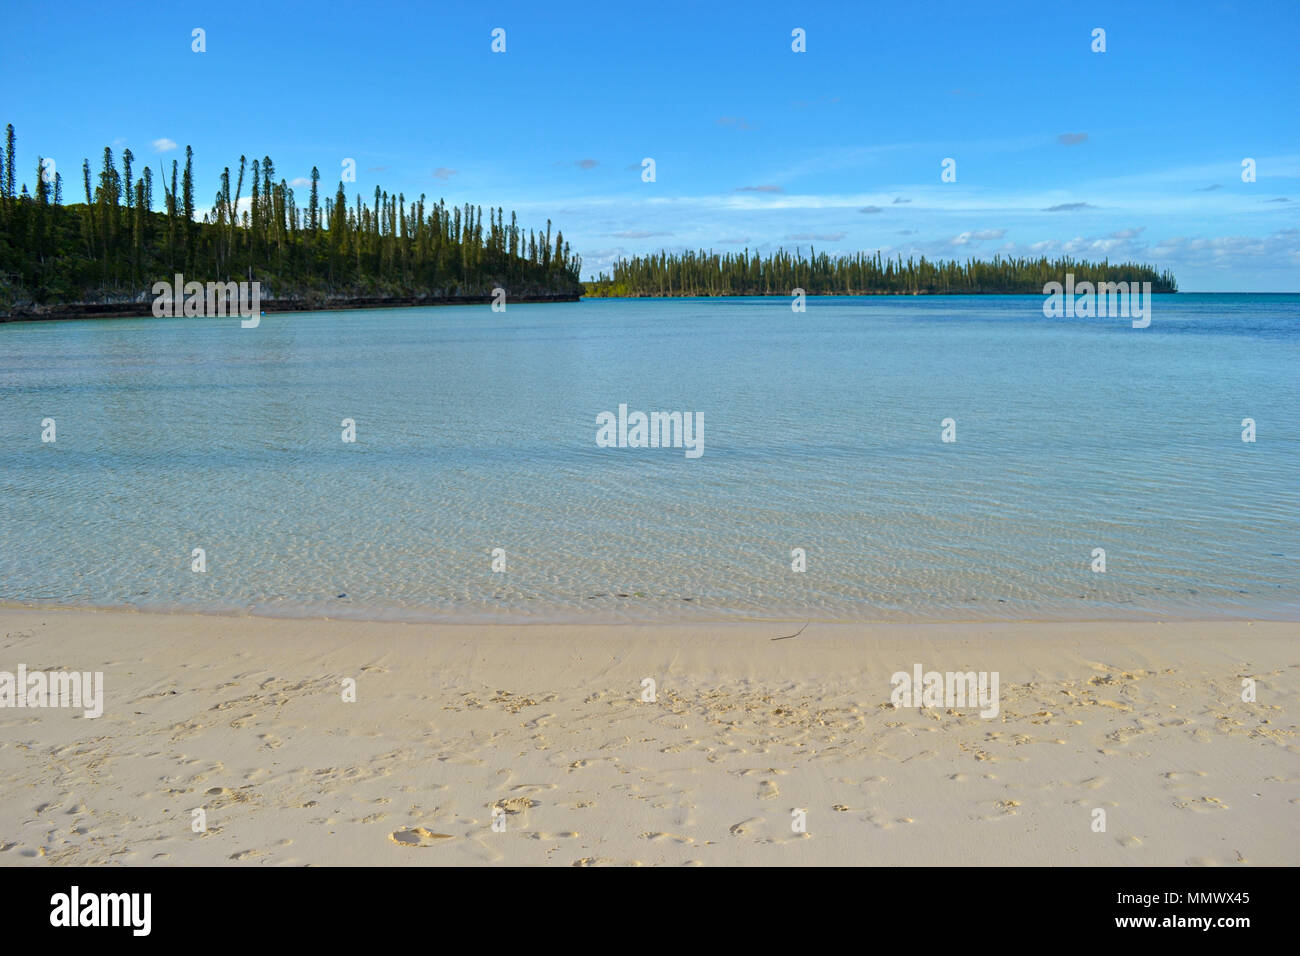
9	161
315	201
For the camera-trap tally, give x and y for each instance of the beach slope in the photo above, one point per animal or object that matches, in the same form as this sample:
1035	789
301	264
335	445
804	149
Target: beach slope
539	744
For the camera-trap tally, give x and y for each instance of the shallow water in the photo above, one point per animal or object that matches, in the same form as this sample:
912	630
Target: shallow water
477	430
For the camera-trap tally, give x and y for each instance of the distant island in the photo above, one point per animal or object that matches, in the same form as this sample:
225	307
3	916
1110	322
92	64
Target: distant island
102	257
780	273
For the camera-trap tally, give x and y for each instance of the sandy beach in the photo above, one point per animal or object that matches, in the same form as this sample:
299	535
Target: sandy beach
245	719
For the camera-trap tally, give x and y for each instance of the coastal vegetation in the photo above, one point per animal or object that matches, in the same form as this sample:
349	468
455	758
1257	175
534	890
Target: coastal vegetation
136	227
781	272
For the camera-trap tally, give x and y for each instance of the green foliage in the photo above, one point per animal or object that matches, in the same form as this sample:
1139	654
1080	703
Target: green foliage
115	246
709	273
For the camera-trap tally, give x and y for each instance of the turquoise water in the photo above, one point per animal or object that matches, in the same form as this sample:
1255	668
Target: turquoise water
477	430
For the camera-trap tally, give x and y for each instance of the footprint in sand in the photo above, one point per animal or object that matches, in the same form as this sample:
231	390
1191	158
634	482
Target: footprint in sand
603	861
516	804
417	836
767	790
743	827
1203	805
675	838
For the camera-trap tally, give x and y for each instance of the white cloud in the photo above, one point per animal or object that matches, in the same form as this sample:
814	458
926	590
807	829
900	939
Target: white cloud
978	235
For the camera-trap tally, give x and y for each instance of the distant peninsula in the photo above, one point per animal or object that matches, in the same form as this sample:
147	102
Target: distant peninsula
101	257
780	273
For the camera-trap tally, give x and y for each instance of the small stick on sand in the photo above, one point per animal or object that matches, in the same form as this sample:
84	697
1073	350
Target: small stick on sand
795	634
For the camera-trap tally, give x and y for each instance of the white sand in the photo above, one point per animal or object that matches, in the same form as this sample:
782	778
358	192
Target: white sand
244	718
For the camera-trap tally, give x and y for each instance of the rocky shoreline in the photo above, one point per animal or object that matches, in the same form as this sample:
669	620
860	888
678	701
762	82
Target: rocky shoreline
144	308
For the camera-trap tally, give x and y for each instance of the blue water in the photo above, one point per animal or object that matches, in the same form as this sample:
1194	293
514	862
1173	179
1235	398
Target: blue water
476	430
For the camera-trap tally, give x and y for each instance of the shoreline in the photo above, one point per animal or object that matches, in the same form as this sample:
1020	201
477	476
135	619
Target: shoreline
129	310
137	310
863	295
244	718
530	617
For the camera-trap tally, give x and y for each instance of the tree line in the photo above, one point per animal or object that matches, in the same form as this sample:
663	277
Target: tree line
781	272
116	244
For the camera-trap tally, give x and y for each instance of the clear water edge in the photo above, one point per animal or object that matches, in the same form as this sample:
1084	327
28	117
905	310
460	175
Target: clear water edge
476	430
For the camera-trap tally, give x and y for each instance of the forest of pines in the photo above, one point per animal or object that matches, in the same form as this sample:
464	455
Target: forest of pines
115	245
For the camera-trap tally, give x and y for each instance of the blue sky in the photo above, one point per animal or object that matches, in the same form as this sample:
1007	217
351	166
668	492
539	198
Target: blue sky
1131	153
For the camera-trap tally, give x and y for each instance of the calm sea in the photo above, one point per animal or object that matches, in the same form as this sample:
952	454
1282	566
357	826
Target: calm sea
476	430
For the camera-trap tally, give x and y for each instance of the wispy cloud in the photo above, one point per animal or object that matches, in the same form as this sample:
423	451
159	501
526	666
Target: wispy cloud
1072	139
760	189
1069	207
164	145
977	236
